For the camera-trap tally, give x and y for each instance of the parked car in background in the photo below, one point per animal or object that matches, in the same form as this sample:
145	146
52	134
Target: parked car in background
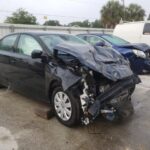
79	81
134	32
137	54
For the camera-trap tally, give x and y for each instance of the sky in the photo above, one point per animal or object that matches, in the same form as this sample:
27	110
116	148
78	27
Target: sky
65	11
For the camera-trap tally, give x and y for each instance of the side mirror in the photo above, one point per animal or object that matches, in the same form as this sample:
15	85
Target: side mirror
101	43
36	54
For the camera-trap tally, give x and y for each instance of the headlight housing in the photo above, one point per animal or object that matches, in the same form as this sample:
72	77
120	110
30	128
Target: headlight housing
139	53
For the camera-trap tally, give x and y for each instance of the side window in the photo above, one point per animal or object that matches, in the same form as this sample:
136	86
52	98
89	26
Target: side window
8	42
93	39
27	44
146	30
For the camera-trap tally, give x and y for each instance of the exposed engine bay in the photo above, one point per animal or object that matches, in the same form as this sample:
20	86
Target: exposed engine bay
101	96
104	81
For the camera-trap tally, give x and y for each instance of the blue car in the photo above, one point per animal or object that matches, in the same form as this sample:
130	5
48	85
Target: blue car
137	54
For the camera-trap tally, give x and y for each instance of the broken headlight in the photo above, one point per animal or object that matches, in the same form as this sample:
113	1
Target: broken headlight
139	53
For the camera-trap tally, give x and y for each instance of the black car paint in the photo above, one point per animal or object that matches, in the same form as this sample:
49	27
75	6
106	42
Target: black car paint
38	77
107	62
22	73
115	91
29	76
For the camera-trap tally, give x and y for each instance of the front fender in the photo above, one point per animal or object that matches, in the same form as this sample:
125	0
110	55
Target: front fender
64	76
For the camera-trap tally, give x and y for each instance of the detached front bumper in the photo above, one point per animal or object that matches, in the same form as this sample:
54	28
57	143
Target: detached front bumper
112	92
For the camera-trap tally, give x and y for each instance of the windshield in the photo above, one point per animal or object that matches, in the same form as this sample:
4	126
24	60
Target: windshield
72	39
114	40
52	40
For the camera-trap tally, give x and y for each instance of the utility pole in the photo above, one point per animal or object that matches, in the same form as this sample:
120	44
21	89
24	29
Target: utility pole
124	10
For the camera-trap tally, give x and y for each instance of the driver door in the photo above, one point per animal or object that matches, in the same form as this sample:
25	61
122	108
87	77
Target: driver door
28	76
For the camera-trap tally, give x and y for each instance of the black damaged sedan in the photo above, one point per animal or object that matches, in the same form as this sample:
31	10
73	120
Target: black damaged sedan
79	81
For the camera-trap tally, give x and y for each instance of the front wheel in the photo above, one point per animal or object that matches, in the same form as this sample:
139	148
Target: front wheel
66	107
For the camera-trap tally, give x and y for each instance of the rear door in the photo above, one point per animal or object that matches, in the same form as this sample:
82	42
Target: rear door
28	76
7	47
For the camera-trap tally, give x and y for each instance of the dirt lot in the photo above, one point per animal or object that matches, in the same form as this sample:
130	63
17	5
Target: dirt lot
21	129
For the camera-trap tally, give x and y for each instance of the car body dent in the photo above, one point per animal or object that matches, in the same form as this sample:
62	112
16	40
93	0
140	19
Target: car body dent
111	65
127	51
67	77
96	70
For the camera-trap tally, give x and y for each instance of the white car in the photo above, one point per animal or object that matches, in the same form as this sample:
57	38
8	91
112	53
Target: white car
134	32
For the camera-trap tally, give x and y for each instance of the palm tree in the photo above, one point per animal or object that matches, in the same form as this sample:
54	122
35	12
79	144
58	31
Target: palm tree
135	13
111	14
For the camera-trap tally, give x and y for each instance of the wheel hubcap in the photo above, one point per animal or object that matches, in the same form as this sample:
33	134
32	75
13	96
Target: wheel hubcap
62	105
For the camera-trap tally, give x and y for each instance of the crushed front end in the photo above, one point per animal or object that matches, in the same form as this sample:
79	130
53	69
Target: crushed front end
101	79
103	96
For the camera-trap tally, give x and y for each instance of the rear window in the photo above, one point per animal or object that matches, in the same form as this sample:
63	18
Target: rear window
146	30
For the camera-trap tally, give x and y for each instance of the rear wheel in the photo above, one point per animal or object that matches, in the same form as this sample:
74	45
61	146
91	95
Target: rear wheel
66	107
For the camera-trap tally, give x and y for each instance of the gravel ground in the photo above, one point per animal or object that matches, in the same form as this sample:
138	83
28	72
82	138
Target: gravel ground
21	129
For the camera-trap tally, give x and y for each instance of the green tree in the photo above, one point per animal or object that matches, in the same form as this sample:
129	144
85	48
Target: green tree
84	23
75	24
135	12
96	24
21	17
111	13
52	23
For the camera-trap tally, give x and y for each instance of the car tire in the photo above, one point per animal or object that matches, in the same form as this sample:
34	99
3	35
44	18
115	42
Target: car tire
71	116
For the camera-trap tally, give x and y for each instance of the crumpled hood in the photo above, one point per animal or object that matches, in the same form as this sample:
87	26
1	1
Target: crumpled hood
139	46
103	60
